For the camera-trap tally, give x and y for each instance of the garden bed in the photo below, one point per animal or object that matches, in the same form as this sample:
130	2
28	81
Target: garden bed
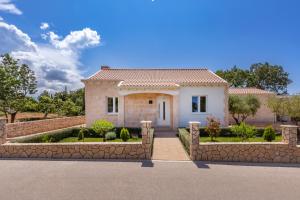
237	139
70	135
225	135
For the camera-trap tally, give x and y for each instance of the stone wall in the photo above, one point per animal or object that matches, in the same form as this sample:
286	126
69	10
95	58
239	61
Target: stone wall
97	150
39	126
286	151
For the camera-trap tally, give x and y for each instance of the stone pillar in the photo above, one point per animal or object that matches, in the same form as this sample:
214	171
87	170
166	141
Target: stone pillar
146	138
194	139
2	131
289	134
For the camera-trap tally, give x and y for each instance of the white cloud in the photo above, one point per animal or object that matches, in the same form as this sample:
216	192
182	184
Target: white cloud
44	26
57	62
76	39
1	18
8	6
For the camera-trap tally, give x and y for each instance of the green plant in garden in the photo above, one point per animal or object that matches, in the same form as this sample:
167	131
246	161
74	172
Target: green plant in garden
269	134
213	127
243	131
101	127
124	135
241	107
110	136
82	133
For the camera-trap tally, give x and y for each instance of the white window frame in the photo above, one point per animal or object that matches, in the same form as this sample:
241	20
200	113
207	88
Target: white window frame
114	106
199	104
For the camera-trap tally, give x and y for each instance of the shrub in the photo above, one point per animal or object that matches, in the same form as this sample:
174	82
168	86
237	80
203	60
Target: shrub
124	135
184	137
82	133
243	131
110	136
213	127
101	127
269	134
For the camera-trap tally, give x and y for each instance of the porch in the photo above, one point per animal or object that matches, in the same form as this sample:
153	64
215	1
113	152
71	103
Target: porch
160	108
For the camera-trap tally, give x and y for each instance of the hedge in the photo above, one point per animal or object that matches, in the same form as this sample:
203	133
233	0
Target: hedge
184	137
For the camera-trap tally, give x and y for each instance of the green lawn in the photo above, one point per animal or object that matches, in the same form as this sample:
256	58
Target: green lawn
236	139
75	139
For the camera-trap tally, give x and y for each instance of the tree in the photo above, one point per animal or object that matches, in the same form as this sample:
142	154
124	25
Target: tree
260	75
294	108
46	104
241	107
235	76
278	105
269	77
69	108
16	82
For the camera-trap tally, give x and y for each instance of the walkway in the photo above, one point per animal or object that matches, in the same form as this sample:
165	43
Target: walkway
168	147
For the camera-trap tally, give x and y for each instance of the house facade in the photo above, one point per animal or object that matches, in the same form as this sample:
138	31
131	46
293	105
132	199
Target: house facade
167	97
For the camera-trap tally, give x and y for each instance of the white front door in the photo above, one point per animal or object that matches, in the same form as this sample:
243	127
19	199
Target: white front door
163	104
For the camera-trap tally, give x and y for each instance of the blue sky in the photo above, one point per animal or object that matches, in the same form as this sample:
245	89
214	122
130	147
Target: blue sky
216	34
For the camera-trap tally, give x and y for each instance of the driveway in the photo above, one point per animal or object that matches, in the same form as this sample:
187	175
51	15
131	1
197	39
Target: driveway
80	180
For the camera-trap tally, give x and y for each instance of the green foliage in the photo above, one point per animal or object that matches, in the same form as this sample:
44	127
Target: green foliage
269	77
278	105
269	134
236	77
30	105
17	81
241	107
110	136
101	127
213	127
69	108
82	133
46	104
293	107
184	137
260	75
53	136
243	131
124	135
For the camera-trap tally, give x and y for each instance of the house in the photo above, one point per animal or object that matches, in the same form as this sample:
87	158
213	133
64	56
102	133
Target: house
264	115
167	97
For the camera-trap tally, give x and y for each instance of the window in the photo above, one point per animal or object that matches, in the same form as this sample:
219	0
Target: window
112	104
198	104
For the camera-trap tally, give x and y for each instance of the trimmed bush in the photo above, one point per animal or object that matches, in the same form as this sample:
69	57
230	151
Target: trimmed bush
82	133
110	136
244	131
184	137
124	135
101	127
134	132
269	134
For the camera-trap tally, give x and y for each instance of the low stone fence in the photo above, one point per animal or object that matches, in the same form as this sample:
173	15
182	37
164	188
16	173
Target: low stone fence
286	151
39	126
95	150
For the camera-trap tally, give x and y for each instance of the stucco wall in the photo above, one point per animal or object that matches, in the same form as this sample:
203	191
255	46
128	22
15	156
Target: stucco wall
96	94
264	115
216	97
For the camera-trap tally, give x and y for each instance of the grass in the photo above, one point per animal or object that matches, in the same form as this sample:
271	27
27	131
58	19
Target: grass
75	139
236	139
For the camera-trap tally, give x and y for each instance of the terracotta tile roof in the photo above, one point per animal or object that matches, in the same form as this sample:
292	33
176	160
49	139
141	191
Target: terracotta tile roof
141	84
248	91
159	76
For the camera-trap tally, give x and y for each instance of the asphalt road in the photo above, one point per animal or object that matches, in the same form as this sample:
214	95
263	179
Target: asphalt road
80	180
